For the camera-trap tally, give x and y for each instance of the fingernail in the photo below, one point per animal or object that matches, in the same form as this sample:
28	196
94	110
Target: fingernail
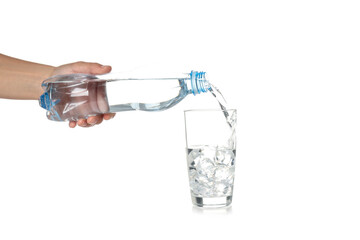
92	122
104	66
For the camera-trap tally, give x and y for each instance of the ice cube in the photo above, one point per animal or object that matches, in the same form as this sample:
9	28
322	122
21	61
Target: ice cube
223	173
199	189
194	157
192	173
225	157
195	188
206	167
205	181
221	189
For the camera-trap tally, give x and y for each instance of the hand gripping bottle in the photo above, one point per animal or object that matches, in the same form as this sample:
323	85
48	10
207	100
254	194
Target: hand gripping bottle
73	96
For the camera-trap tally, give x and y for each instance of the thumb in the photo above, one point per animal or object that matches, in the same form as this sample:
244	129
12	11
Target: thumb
90	68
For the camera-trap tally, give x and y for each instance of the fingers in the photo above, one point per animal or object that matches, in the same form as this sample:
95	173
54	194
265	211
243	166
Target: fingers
72	124
83	123
94	120
108	116
91	121
82	67
90	68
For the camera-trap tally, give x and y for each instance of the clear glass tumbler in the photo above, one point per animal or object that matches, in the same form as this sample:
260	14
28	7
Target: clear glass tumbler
211	151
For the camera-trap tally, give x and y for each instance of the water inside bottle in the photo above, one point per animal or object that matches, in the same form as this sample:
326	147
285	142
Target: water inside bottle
145	95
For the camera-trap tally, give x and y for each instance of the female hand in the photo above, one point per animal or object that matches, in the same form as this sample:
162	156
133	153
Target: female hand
97	90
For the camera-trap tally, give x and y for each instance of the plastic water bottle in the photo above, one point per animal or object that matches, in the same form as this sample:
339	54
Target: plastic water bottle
75	96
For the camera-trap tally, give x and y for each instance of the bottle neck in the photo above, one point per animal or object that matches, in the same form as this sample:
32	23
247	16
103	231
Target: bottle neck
198	82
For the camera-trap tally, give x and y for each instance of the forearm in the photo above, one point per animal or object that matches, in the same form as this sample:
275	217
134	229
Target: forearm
21	79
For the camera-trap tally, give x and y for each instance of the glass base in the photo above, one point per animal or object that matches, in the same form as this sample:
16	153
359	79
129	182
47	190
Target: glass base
211	202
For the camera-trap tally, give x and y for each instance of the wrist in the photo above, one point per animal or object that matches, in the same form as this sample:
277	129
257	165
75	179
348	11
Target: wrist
44	72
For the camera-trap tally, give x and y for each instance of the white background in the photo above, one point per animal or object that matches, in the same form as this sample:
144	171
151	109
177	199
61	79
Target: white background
291	68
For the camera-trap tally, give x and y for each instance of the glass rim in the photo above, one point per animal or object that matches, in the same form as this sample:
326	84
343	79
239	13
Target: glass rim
209	110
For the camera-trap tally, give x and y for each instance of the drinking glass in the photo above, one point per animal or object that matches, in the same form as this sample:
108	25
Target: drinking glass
211	151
